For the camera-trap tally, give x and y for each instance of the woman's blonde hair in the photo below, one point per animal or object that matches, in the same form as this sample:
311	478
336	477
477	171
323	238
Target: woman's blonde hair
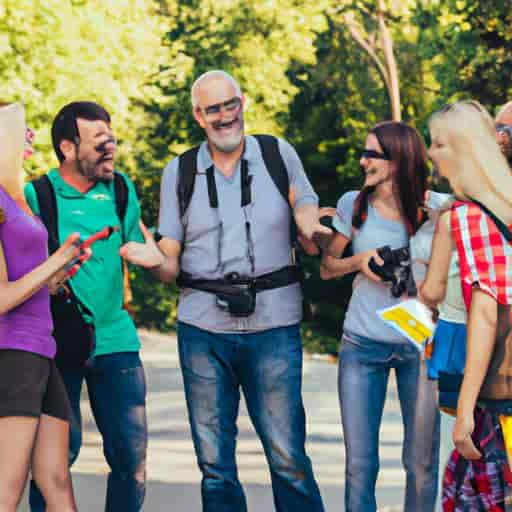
12	144
469	129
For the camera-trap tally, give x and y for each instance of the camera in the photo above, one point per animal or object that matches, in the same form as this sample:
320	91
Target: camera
396	269
237	296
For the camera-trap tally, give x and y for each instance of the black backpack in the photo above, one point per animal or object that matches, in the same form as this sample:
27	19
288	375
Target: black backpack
315	290
274	164
73	335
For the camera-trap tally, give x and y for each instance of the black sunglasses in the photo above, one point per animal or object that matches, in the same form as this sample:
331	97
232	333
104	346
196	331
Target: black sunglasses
229	106
371	153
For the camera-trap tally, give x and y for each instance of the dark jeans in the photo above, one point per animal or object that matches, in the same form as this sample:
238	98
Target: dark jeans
267	367
117	393
364	367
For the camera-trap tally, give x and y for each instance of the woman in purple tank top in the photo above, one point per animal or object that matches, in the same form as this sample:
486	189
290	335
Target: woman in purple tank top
34	408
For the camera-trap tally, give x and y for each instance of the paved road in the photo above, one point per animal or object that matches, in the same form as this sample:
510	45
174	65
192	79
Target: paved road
172	473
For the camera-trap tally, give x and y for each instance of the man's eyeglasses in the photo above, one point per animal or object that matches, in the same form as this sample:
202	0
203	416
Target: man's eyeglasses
230	105
376	155
503	129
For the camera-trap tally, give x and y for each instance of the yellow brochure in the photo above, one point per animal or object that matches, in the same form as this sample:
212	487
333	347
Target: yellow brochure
412	319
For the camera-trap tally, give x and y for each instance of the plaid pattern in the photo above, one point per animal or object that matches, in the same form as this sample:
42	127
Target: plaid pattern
484	253
478	485
486	260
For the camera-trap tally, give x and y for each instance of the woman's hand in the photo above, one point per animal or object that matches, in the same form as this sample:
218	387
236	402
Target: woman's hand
464	426
364	264
70	251
428	296
57	280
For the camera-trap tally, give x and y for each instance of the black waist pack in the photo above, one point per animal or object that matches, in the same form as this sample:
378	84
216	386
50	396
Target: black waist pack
237	300
73	335
237	294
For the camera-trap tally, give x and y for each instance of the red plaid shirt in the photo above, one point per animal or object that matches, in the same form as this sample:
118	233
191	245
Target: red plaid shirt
485	255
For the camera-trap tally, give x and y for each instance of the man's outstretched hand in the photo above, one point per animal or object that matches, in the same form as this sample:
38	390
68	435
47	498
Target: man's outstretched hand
313	235
146	255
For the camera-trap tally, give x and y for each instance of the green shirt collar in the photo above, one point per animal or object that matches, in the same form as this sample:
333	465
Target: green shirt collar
65	190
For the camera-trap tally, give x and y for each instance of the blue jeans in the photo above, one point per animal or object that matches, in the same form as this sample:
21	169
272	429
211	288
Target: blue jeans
267	367
117	393
364	367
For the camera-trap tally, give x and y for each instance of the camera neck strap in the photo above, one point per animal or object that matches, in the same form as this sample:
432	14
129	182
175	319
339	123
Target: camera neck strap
245	200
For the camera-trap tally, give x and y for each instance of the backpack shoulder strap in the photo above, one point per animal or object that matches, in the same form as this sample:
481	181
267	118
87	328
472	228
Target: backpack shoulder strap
47	209
274	163
187	170
121	195
276	167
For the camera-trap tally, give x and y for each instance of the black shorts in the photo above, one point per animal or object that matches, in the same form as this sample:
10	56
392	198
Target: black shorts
31	385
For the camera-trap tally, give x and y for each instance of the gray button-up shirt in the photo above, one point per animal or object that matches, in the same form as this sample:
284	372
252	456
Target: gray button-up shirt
214	240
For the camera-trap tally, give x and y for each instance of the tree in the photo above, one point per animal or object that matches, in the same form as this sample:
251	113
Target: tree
469	46
373	42
54	51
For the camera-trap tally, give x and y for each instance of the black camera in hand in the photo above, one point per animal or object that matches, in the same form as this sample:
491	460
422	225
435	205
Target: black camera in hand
396	269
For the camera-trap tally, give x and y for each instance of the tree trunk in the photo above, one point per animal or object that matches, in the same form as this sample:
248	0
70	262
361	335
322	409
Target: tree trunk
393	85
387	68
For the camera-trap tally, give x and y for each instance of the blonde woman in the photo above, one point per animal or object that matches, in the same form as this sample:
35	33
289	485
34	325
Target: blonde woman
34	409
465	151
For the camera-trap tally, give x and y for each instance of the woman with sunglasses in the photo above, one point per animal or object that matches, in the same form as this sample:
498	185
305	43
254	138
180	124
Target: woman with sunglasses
386	212
479	226
34	408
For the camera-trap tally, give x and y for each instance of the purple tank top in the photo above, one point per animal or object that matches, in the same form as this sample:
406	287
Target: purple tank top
25	245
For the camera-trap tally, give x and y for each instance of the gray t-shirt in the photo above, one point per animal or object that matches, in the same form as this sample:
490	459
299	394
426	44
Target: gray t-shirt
368	296
203	227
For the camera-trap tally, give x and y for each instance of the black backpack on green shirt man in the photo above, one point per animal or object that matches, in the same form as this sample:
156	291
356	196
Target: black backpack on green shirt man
73	334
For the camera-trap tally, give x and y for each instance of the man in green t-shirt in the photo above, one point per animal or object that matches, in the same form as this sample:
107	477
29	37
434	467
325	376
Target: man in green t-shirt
85	202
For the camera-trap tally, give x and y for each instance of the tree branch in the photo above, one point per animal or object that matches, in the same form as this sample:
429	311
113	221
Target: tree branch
367	47
392	69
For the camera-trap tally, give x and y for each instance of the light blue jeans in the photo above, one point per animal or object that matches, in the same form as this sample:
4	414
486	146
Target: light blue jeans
364	367
267	367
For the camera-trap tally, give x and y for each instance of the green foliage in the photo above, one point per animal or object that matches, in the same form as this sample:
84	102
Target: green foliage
53	52
468	45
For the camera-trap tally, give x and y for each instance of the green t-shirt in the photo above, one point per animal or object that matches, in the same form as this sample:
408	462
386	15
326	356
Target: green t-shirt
99	282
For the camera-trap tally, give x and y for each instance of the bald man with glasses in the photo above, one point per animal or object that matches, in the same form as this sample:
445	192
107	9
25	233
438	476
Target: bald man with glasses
229	239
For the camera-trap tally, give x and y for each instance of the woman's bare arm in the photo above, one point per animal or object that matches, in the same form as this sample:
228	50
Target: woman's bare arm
14	293
433	288
482	325
333	265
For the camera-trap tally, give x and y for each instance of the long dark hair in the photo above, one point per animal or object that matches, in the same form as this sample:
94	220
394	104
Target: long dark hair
406	149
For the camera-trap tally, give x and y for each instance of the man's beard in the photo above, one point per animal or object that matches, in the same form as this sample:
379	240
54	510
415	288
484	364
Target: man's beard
506	149
89	169
227	144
